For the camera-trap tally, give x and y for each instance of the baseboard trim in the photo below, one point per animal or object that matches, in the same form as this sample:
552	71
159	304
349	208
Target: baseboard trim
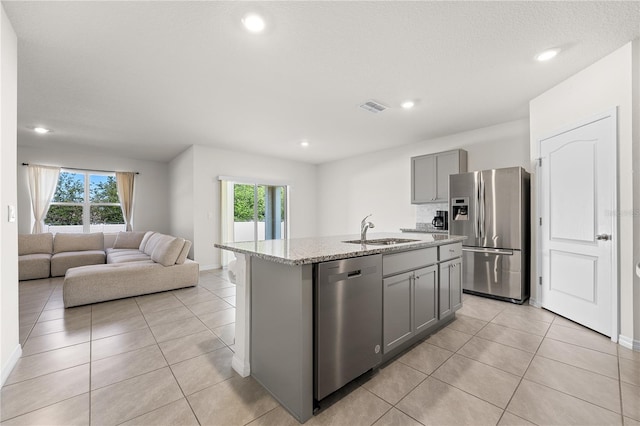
629	343
244	370
209	267
534	303
11	362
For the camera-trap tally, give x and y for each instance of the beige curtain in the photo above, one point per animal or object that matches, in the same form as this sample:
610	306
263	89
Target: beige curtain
42	185
226	219
124	180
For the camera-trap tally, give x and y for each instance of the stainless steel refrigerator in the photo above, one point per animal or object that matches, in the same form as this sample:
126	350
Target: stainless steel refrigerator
491	208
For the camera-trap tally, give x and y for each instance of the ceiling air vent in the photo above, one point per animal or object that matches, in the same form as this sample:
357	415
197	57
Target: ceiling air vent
373	106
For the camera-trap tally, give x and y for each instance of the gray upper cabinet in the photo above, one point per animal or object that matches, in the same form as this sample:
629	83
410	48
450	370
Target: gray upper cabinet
430	175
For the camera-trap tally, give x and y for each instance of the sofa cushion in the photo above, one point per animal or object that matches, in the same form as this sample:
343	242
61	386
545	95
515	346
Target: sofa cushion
122	256
153	242
167	250
183	254
78	242
35	243
60	262
128	240
34	266
145	240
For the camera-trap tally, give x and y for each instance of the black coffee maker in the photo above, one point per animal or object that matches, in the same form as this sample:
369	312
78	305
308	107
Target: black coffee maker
441	220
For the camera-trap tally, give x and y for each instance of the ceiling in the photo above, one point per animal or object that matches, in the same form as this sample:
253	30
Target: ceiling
148	79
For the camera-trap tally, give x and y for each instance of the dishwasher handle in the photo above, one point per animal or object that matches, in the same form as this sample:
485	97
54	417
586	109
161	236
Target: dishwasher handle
337	275
354	274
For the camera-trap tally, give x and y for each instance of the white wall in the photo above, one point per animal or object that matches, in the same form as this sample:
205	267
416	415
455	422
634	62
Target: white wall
380	182
151	199
636	187
181	195
9	344
601	86
210	163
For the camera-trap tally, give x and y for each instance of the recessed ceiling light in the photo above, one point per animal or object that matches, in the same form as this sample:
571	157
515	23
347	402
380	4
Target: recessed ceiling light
408	104
253	23
41	130
304	143
547	54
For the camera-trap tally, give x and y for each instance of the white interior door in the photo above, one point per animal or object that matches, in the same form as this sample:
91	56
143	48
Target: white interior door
577	196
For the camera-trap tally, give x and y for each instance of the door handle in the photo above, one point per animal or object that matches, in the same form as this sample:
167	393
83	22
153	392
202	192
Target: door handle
489	251
603	237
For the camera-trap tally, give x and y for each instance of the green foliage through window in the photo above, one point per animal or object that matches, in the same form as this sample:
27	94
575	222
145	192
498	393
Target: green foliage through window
68	203
243	203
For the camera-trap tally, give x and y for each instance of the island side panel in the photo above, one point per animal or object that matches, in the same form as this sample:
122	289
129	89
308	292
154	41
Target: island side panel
282	333
240	360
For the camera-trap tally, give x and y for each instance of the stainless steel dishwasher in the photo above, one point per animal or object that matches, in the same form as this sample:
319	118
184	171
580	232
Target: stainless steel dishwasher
348	321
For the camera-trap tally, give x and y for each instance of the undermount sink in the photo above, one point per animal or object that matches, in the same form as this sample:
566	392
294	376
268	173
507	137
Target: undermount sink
382	241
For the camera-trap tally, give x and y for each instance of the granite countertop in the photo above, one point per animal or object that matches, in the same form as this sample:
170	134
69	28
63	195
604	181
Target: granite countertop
425	231
301	251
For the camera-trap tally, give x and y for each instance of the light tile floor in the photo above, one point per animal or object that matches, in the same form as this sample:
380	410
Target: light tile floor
166	359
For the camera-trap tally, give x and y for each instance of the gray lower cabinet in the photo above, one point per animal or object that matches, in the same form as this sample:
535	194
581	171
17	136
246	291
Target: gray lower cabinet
396	311
420	288
410	305
450	286
425	299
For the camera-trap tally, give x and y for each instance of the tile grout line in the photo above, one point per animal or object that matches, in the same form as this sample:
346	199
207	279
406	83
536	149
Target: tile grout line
456	353
142	374
504	410
39	313
52	292
620	387
583	347
524	374
168	364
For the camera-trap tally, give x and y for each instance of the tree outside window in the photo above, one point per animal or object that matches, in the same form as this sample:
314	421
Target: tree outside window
78	207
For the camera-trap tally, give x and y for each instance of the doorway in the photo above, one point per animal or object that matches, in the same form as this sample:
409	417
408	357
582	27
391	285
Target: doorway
577	190
253	211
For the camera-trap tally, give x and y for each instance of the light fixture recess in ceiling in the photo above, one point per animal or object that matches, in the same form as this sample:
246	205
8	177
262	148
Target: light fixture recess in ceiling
254	23
304	143
547	55
41	130
373	106
408	104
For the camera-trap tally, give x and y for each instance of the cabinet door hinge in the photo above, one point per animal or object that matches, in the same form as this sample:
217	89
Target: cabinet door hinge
539	160
540	220
539	280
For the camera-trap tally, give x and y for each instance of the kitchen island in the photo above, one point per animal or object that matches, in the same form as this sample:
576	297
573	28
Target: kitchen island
419	289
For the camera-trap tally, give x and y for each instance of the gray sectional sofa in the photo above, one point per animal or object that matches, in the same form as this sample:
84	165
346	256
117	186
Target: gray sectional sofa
34	256
138	263
43	256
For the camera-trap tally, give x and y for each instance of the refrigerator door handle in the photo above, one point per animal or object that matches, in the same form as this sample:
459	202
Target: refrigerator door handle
482	206
490	251
476	224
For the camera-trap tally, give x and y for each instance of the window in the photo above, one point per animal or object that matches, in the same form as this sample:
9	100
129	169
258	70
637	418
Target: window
81	207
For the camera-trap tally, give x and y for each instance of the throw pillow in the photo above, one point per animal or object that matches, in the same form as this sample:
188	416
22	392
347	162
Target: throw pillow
167	251
128	240
183	254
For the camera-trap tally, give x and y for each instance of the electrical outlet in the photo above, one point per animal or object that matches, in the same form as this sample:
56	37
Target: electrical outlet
12	213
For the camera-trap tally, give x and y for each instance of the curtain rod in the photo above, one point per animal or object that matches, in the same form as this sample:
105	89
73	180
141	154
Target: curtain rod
85	170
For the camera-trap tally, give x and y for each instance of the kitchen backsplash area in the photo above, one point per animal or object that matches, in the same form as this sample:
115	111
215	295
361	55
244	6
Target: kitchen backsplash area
426	212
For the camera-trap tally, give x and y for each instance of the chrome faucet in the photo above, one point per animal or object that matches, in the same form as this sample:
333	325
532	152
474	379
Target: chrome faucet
364	226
